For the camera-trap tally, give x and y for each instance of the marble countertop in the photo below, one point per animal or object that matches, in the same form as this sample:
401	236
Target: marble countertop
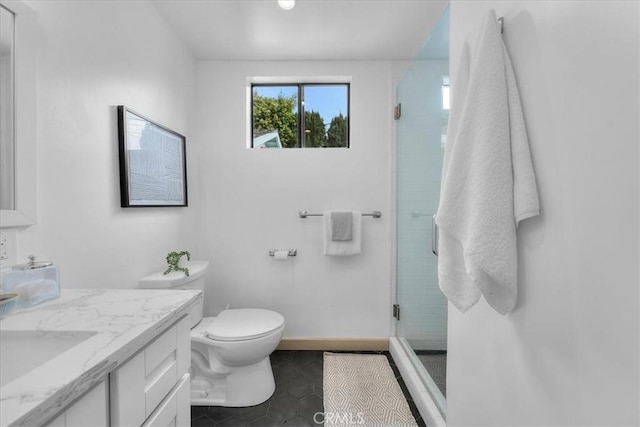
122	321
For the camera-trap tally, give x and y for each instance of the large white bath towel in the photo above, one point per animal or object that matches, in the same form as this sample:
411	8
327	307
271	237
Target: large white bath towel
488	184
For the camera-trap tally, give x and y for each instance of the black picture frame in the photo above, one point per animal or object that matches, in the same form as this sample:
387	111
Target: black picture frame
153	163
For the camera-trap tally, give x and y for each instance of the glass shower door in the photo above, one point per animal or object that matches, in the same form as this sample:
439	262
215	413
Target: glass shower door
421	136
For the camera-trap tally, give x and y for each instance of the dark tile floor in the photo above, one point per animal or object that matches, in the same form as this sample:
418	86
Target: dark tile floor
435	362
297	398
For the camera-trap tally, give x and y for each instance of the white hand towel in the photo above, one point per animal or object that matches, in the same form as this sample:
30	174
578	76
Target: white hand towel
342	247
488	183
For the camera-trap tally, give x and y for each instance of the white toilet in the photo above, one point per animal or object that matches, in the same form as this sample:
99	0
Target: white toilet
230	352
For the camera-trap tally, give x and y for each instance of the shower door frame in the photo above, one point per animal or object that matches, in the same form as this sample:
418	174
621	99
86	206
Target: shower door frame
428	397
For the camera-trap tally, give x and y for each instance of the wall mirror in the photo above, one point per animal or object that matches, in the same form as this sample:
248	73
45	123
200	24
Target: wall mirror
18	205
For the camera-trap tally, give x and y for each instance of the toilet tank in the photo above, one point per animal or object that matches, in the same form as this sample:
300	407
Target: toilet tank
179	280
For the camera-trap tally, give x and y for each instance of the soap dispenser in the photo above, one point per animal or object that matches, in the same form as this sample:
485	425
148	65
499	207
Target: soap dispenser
34	282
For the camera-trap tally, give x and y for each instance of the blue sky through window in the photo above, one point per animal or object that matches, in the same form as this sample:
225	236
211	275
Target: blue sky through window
327	100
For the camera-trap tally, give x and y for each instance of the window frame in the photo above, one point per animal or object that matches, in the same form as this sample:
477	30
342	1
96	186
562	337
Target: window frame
301	110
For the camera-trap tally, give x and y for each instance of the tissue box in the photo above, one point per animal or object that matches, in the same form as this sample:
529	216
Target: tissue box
34	286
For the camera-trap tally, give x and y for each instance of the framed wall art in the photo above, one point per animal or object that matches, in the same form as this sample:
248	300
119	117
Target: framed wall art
153	163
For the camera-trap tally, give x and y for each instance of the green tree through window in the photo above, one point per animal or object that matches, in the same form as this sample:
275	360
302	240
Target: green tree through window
337	133
315	132
270	114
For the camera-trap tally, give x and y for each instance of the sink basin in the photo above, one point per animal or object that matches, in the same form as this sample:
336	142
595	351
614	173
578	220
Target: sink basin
23	351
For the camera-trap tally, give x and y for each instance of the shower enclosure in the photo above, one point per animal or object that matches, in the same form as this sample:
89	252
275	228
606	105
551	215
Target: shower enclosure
423	110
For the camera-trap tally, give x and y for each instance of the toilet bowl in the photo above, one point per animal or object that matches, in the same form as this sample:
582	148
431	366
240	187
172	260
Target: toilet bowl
230	363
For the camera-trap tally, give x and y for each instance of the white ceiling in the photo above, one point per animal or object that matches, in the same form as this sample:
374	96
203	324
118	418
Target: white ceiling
313	30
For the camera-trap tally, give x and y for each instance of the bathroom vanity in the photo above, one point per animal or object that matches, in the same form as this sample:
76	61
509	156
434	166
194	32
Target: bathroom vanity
98	357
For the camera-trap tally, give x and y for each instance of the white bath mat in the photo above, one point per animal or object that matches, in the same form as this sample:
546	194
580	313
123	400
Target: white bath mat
361	389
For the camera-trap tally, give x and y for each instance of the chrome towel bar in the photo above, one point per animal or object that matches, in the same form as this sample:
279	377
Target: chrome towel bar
304	214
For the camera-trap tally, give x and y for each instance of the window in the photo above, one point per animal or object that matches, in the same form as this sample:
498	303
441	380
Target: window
310	115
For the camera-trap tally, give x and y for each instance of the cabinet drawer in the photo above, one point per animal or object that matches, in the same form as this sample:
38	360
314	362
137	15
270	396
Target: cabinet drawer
160	366
161	383
174	409
159	350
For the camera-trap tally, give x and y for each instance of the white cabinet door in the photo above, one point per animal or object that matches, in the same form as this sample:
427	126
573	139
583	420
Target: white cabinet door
127	402
90	411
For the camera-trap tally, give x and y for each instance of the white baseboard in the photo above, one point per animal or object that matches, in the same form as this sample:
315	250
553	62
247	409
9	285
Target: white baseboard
343	344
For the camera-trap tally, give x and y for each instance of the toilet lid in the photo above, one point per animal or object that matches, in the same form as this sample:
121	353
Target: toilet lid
243	324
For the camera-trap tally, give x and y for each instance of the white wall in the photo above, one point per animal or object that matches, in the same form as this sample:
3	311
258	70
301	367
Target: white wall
568	354
253	196
93	56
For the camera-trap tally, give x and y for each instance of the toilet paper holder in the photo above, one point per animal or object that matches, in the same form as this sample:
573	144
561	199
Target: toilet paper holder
292	252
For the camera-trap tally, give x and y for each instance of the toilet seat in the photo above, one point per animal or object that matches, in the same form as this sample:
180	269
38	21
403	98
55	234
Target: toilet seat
241	324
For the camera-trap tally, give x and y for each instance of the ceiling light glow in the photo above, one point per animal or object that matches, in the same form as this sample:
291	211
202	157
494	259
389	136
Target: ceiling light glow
287	4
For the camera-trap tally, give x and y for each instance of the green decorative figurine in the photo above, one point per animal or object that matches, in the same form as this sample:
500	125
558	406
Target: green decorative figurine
173	258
